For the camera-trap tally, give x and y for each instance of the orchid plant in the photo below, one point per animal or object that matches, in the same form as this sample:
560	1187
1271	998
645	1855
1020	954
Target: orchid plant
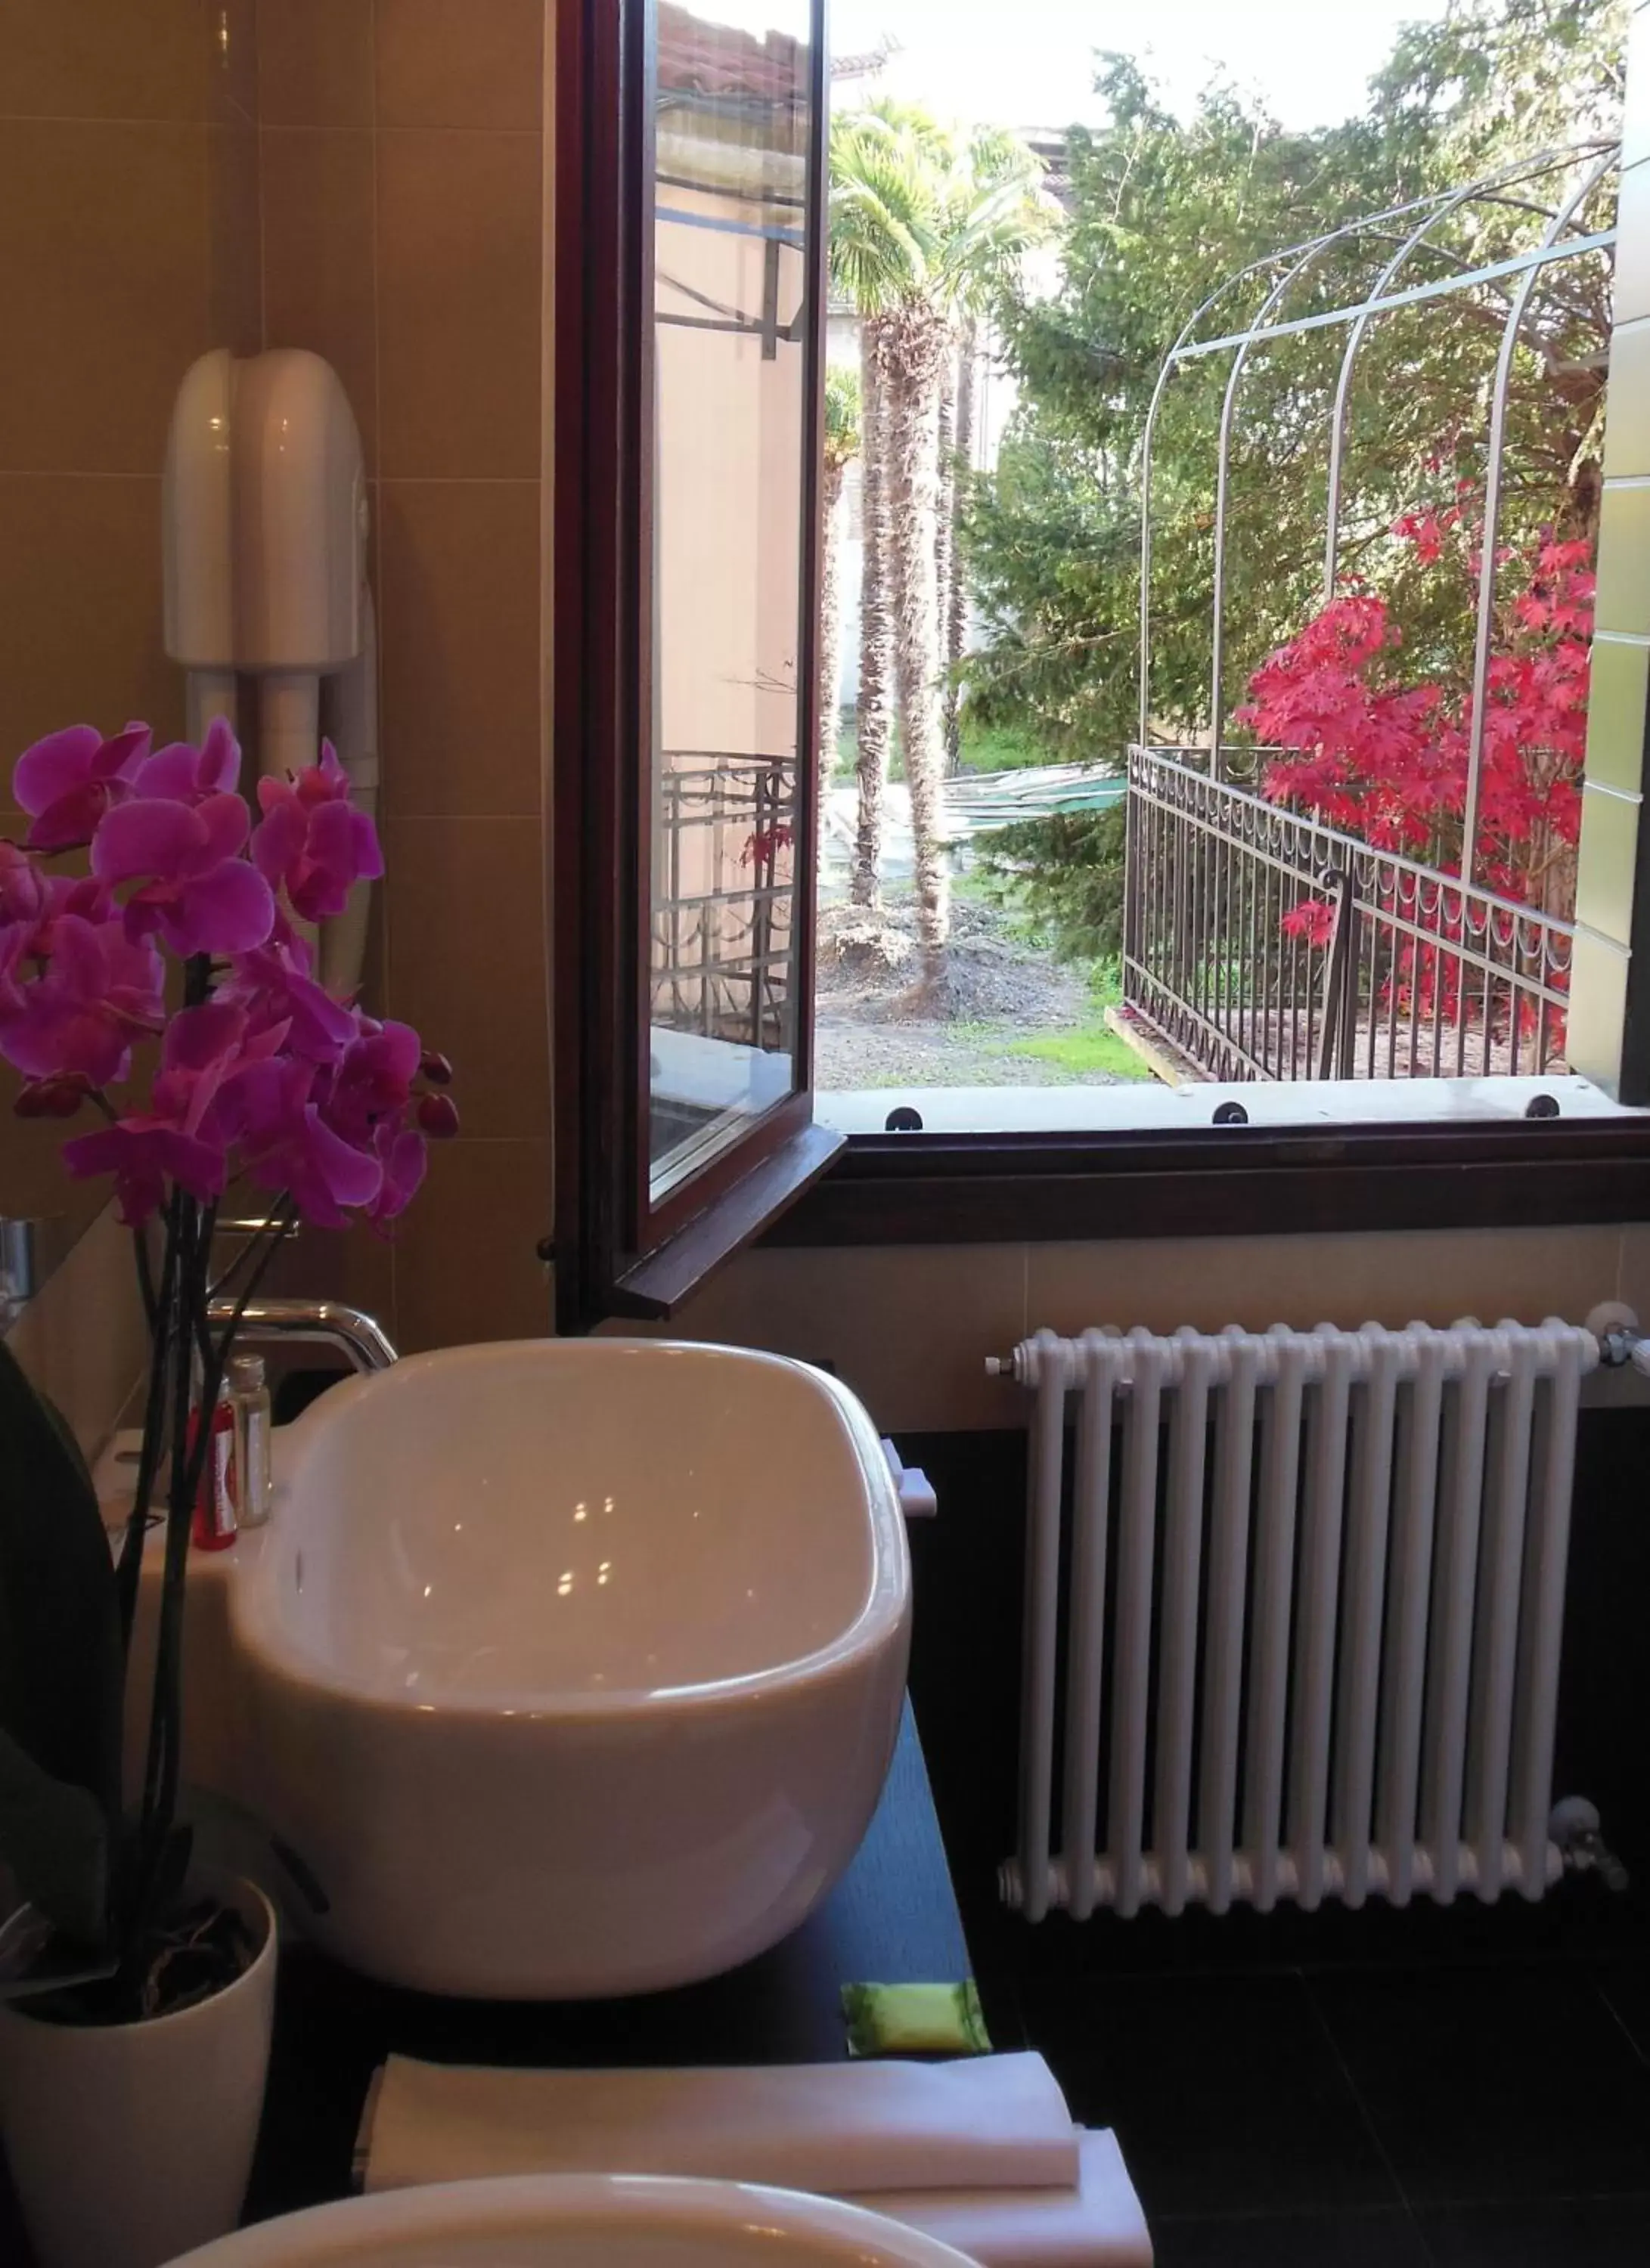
248	1069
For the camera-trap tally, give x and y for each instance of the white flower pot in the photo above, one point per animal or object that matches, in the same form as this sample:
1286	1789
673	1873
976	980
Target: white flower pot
132	2143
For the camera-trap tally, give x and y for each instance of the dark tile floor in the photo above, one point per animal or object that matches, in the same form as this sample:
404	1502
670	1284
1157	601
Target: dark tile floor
1440	2088
1363	2117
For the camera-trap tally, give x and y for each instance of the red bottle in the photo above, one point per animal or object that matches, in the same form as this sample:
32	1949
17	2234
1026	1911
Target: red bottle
212	1527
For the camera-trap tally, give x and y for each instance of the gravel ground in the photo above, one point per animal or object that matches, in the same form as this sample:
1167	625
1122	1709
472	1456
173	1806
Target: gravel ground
874	1028
847	1055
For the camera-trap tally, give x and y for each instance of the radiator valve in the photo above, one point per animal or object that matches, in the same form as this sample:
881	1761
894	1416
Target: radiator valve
917	1497
1573	1826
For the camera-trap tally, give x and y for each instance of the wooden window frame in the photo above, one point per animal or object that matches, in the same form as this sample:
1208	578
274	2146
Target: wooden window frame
1224	1181
617	1252
618	1256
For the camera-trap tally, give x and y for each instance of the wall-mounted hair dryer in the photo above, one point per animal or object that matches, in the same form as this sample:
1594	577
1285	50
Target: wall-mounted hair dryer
264	527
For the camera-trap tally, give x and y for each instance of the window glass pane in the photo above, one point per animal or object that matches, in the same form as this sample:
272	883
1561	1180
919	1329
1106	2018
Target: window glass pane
731	367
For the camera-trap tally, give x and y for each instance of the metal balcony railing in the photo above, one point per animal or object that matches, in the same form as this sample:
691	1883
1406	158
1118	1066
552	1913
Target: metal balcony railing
720	960
1261	944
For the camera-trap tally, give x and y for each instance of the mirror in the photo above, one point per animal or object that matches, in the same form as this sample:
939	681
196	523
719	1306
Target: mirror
129	246
732	282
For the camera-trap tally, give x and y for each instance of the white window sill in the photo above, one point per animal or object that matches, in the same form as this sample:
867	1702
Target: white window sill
1156	1108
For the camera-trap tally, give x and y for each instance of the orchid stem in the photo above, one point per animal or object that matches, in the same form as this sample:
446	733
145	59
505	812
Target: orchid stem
161	1768
275	1229
146	1290
274	1220
128	1571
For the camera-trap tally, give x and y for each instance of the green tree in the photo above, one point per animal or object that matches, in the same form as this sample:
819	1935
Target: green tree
924	226
1163	213
842	437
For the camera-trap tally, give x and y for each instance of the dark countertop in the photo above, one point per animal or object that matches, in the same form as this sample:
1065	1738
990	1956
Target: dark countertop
891	1920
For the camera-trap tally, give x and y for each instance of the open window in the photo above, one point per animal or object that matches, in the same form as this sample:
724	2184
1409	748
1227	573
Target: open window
1364	1038
689	268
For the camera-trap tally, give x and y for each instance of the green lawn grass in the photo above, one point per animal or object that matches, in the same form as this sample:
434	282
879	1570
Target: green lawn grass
1092	1046
999	748
985	748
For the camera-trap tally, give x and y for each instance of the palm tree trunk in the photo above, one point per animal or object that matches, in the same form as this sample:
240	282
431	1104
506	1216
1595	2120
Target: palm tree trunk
831	641
956	617
912	358
945	522
876	629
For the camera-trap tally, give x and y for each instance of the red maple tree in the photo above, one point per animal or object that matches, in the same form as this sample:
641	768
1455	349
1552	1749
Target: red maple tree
1356	744
1386	760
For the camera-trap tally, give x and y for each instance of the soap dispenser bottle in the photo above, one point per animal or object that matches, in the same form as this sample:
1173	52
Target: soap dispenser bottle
248	1398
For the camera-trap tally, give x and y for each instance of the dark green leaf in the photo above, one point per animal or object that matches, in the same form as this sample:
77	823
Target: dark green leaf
61	1658
55	1837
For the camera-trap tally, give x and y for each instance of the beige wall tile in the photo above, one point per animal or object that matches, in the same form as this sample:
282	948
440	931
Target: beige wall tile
1632	1283
1624	560
375	965
465	1267
1618	713
1598	998
466	961
319	267
32	1183
232	35
351	1264
1631	295
1394	1278
80	610
1635	130
460	251
1627	408
907	1326
459	62
1607	869
234	234
105	58
103	242
82	1340
315	62
459	586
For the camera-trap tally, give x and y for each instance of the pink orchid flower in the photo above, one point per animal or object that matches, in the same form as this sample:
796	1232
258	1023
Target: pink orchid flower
52	1098
13	971
204	1047
68	781
197	890
141	1154
174	1138
372	1083
309	1096
100	990
437	1116
286	1144
23	894
182	773
402	1153
311	841
274	985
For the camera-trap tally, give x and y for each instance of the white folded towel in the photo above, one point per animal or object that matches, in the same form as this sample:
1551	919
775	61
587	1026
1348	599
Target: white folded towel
839	2130
1097	2225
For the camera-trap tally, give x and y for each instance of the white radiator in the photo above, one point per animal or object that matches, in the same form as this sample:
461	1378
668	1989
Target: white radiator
1311	1624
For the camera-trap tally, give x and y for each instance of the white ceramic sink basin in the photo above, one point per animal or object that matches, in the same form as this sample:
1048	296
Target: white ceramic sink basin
573	1667
581	2220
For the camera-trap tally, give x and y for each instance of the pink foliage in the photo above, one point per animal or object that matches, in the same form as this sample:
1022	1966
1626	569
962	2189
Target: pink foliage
1386	760
311	842
265	1074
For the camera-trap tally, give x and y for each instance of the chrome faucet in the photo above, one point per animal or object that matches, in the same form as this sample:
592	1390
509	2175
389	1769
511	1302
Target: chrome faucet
314	1323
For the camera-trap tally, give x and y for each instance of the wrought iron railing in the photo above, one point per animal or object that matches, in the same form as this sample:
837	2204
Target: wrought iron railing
1261	944
721	961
